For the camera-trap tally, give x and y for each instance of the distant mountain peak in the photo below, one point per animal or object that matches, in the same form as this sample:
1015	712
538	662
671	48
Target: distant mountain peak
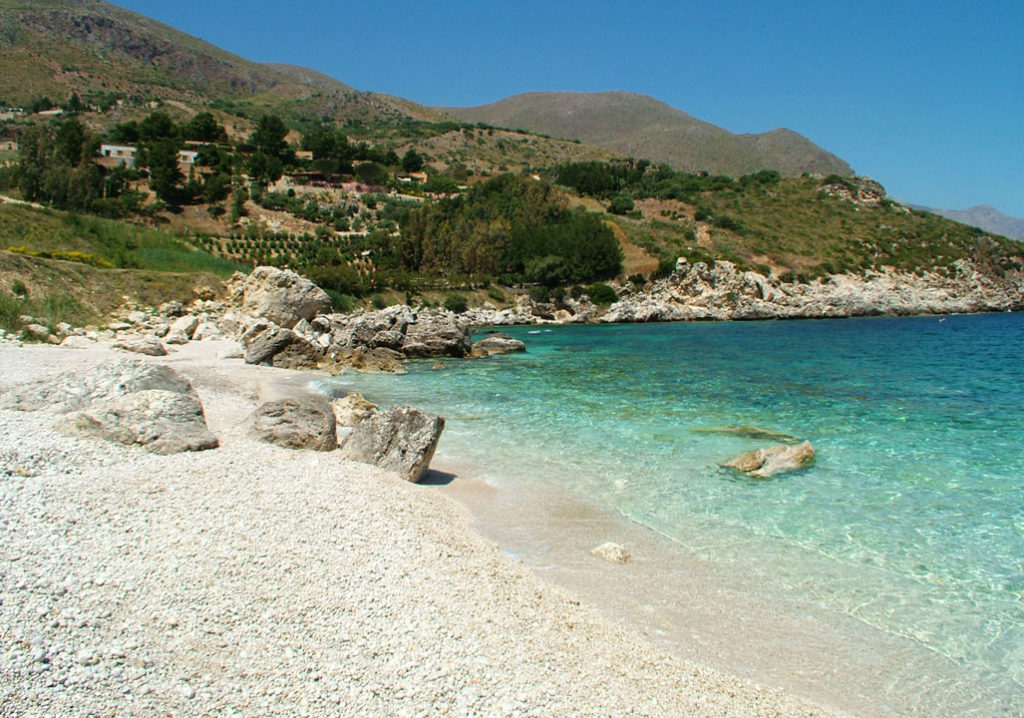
642	126
984	216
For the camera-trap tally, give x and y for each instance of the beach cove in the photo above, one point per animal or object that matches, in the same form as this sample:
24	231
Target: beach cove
897	556
437	631
251	579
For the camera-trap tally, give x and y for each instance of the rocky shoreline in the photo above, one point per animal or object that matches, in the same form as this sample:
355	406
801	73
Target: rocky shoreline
720	291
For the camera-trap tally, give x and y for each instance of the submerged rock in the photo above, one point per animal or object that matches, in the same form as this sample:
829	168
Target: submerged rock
402	440
747	432
764	463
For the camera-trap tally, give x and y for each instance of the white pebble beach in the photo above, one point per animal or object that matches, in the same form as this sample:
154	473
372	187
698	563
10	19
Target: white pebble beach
254	580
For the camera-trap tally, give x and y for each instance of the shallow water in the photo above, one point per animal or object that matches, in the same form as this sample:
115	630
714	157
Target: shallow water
911	518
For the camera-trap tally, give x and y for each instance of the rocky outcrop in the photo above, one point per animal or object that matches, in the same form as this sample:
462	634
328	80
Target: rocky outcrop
402	440
302	422
272	345
125	400
280	296
161	421
526	311
765	463
859	190
109	379
497	343
352	409
378	341
721	291
378	360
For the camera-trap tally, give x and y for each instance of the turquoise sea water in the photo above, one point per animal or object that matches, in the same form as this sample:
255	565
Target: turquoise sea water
911	518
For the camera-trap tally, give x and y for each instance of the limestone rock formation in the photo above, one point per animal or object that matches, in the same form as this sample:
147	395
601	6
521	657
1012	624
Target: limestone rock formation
142	344
302	422
182	329
402	440
765	463
437	333
282	296
497	343
109	379
352	409
161	421
720	290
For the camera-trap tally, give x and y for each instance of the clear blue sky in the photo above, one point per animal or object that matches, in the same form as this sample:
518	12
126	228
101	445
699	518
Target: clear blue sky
926	97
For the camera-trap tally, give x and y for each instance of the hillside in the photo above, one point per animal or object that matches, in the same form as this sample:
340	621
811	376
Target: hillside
642	127
55	47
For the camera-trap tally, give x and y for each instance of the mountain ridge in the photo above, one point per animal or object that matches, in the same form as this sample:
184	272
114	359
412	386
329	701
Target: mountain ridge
984	216
642	126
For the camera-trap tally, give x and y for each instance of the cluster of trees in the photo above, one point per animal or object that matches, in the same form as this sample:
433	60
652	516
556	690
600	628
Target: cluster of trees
512	227
158	138
334	154
622	181
56	166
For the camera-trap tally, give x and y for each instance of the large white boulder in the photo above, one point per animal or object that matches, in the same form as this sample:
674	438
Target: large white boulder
282	296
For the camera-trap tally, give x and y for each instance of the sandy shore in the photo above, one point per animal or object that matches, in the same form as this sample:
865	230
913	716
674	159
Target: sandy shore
255	580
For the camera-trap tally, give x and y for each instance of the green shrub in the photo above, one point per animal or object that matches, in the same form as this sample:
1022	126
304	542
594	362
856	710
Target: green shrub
665	267
378	301
495	293
341	302
621	204
456	303
638	279
19	289
540	293
601	293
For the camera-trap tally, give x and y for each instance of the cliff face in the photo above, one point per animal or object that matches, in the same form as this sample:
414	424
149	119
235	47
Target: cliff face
720	291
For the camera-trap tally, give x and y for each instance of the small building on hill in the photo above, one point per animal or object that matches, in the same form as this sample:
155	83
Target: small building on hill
114	155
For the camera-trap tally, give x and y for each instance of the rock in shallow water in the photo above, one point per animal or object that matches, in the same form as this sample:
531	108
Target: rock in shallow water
611	552
497	343
764	463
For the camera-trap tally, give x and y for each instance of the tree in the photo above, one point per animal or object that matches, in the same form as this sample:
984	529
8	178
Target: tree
412	161
264	168
54	166
372	173
164	176
157	126
204	128
268	138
